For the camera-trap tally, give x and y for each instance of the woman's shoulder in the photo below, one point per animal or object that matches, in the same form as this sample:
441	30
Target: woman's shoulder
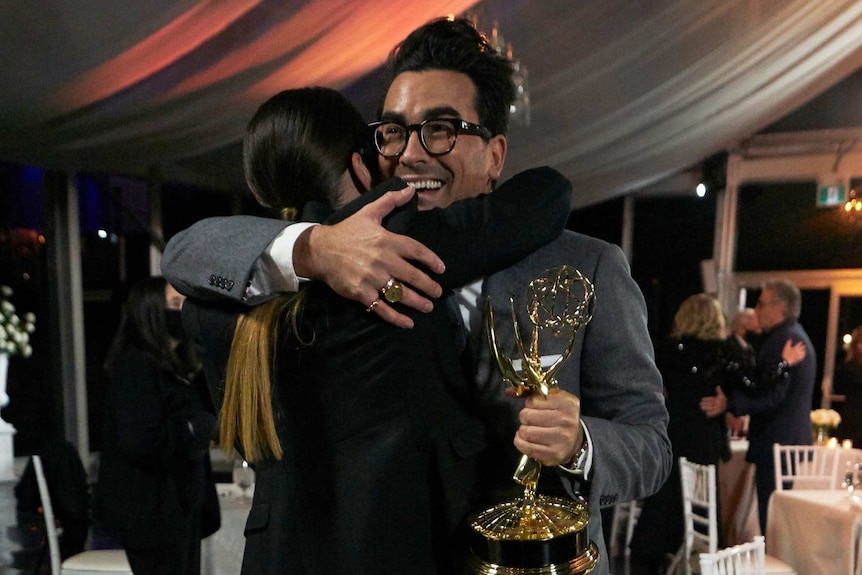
689	345
689	354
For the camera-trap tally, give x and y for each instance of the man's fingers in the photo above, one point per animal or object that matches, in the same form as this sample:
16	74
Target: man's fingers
415	251
416	301
411	299
387	313
382	206
405	272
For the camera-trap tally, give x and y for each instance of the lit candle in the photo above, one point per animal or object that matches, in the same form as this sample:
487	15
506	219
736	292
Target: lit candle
833	442
847	444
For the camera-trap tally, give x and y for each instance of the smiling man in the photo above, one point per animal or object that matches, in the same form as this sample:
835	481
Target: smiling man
442	129
424	103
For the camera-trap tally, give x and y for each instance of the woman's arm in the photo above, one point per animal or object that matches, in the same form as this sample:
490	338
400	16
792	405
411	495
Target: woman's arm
480	235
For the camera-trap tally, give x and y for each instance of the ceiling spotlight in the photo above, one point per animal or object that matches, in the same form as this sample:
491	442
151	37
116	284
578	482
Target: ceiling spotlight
700	190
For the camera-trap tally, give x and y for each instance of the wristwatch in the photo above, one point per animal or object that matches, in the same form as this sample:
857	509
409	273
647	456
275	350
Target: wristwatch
579	461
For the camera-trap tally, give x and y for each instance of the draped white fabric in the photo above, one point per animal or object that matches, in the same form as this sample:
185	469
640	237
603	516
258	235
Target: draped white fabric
623	93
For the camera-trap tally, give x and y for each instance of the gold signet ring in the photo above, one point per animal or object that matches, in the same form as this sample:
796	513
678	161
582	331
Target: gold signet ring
393	291
373	305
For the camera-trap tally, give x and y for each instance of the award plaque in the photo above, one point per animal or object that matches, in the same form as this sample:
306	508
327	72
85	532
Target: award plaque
537	534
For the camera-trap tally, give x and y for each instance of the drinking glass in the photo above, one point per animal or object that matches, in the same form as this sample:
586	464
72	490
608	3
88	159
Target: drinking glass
852	479
243	476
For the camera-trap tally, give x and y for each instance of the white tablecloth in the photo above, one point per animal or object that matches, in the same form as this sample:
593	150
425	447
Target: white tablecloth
221	552
817	532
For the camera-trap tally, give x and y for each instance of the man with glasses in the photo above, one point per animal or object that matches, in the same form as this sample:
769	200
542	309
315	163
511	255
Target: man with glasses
782	414
442	130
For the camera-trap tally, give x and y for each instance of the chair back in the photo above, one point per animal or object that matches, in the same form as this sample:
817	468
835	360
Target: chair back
96	562
805	466
48	511
700	513
744	559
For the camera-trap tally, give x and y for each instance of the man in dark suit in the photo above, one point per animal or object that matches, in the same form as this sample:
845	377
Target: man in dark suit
782	413
606	427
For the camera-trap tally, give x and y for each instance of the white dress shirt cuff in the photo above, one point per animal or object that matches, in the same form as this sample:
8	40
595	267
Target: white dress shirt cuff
273	272
587	460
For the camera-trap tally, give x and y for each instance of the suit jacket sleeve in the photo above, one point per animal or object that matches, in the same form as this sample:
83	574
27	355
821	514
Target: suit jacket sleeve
621	390
214	258
612	369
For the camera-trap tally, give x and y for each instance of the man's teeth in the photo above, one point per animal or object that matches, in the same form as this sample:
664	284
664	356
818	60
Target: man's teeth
427	185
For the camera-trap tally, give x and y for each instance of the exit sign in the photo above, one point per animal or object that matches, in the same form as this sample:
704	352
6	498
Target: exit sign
828	196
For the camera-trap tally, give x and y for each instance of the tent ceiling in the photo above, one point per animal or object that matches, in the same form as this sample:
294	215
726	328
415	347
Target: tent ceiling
623	93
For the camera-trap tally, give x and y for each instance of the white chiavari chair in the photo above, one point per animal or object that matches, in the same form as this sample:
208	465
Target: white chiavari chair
95	562
806	466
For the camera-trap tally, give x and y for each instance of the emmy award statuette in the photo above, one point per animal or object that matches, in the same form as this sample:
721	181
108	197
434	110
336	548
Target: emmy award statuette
537	534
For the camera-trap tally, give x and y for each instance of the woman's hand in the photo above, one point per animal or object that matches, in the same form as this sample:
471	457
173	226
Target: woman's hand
793	353
714	405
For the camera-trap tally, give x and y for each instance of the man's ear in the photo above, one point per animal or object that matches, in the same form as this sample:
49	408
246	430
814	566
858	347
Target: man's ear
361	171
497	147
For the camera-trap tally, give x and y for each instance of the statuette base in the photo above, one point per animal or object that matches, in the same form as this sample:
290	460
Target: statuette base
542	535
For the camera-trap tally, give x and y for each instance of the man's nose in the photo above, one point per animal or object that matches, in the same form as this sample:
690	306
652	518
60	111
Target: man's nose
413	150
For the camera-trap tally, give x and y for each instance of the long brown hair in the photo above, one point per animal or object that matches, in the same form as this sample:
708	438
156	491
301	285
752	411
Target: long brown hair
296	148
143	326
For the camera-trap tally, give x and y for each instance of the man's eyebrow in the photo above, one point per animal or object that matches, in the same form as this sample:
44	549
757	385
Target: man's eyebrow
393	117
429	114
439	111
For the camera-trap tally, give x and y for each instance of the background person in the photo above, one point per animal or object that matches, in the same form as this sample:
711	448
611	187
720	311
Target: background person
848	383
154	464
619	450
692	362
781	409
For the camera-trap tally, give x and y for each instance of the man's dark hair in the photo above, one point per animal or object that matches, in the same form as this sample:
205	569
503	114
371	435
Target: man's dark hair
456	45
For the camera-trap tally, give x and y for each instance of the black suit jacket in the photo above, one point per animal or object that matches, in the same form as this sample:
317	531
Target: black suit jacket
378	428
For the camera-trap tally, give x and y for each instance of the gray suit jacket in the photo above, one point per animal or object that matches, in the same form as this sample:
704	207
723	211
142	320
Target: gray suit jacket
611	369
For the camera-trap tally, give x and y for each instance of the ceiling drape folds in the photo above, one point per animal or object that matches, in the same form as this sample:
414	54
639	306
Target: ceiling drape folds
622	93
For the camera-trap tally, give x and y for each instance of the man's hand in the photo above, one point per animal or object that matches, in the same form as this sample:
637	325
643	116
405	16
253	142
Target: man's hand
550	429
713	405
356	257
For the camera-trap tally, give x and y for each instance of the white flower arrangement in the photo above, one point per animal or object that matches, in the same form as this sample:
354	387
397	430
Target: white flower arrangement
14	332
828	418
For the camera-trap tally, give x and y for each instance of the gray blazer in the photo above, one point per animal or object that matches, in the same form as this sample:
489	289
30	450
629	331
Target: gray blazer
611	369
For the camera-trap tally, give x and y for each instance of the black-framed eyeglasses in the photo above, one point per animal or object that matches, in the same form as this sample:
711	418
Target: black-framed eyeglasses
437	136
